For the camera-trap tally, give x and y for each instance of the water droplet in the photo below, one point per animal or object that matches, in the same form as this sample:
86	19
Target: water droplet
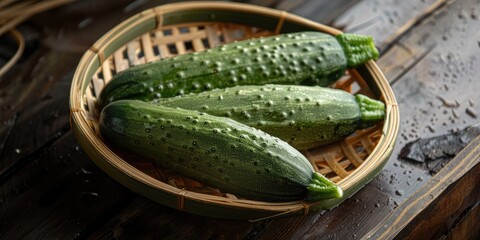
89	198
399	192
180	74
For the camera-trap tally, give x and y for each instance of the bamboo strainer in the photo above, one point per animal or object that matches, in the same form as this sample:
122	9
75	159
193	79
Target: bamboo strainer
195	26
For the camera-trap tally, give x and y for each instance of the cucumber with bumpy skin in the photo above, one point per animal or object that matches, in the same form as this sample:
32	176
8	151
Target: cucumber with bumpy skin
303	116
218	151
305	58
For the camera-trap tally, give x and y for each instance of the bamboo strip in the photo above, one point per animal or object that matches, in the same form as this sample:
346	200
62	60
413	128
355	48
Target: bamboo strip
147	48
23	13
21	47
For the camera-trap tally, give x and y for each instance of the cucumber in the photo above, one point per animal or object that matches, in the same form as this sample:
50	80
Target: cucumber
303	116
306	58
218	151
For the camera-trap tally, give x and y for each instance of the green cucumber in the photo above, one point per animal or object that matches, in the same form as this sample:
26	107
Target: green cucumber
218	151
303	116
306	58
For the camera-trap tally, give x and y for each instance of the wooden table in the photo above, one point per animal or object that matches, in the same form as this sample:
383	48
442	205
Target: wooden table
49	189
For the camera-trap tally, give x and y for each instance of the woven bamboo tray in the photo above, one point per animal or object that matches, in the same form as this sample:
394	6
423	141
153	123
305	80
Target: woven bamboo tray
185	27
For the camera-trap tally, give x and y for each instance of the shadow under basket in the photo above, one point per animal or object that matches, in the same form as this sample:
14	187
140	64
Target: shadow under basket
187	27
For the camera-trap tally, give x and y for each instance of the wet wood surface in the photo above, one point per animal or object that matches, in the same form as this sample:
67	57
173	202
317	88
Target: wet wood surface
49	189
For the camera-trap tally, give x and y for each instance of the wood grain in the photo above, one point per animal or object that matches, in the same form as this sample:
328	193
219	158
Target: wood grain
467	226
433	209
322	11
52	190
387	20
42	108
60	194
144	219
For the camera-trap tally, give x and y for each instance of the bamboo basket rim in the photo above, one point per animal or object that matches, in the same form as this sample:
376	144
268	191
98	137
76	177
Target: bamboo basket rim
98	53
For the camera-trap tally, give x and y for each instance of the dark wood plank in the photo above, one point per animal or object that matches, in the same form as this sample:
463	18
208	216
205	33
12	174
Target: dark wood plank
434	209
61	194
423	113
441	88
144	219
34	95
388	20
46	116
322	11
467	227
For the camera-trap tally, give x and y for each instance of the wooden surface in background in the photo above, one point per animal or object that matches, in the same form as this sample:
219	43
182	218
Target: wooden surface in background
49	189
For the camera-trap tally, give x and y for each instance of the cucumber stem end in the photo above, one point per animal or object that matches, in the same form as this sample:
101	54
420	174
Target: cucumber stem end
372	110
321	188
358	48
